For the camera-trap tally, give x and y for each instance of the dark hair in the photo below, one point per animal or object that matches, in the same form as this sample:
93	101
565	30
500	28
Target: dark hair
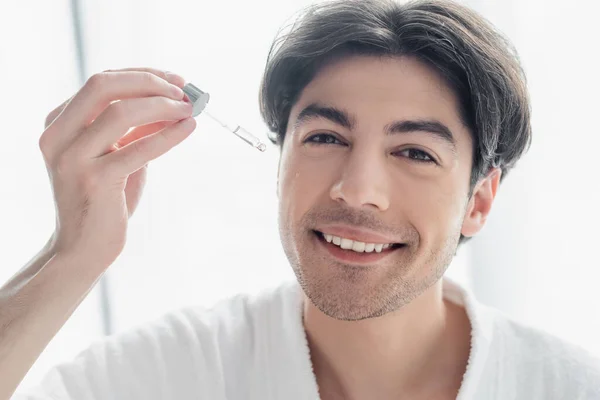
476	60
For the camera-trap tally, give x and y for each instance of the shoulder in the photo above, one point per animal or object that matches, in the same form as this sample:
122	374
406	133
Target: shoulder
242	310
235	316
537	357
188	350
228	330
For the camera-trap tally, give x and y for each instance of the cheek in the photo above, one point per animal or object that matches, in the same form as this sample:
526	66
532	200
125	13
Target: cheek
303	183
434	207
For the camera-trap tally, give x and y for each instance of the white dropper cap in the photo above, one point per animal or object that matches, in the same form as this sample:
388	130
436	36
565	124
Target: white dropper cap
198	98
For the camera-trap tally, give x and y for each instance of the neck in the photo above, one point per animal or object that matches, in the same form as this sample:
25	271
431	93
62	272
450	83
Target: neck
419	347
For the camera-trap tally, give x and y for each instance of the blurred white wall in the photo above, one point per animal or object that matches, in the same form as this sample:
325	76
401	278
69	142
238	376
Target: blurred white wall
537	258
37	73
206	226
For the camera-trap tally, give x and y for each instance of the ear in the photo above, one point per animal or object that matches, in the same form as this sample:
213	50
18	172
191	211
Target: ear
481	202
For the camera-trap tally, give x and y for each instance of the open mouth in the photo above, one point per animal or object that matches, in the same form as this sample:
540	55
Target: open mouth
354	246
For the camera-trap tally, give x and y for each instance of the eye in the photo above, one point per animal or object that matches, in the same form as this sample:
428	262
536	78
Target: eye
323	138
417	155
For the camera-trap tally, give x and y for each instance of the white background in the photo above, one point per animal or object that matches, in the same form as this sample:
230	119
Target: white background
206	226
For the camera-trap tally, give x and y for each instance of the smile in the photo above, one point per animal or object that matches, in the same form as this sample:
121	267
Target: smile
354	245
349	250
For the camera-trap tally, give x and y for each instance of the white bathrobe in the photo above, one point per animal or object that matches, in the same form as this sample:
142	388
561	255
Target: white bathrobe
253	347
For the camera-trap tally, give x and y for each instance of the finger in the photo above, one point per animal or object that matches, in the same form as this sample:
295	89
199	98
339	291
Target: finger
56	112
170	77
120	116
141	131
103	89
137	133
134	156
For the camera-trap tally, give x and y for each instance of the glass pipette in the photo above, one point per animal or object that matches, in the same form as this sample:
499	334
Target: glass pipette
240	132
199	100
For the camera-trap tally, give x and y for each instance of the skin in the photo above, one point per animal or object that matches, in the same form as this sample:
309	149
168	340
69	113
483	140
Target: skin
96	165
382	331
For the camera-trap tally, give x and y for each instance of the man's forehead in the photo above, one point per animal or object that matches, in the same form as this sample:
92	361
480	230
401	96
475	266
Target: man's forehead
387	89
401	83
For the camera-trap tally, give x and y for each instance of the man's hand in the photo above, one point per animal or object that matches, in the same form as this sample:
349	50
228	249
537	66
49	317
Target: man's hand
97	171
96	146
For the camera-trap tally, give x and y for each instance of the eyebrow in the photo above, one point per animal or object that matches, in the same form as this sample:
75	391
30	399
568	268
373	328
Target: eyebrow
342	118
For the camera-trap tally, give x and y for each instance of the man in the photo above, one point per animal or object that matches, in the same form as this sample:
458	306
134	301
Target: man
396	124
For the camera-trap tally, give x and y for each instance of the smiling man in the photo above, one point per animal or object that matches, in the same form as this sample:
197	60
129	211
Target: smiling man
396	124
374	194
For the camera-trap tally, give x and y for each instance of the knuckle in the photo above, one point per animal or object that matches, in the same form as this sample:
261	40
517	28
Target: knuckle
148	78
54	114
161	74
43	144
97	81
118	110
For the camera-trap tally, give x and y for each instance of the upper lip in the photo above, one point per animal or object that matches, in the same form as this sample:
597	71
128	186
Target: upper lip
357	234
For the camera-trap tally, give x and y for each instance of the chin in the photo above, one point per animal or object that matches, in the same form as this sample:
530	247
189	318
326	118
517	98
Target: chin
354	293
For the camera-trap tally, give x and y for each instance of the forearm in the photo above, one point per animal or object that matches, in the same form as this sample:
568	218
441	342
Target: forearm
34	305
29	270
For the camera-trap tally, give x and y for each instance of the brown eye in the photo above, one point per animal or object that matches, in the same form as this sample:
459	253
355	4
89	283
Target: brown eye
417	155
323	138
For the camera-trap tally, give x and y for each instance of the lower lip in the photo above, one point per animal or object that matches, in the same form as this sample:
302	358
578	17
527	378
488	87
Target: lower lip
351	256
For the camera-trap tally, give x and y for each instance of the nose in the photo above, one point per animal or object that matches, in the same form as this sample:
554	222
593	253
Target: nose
362	183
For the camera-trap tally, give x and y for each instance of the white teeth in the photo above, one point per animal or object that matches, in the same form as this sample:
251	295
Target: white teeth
355	245
346	244
359	247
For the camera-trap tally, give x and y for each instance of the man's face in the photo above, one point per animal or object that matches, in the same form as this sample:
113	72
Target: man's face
375	152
